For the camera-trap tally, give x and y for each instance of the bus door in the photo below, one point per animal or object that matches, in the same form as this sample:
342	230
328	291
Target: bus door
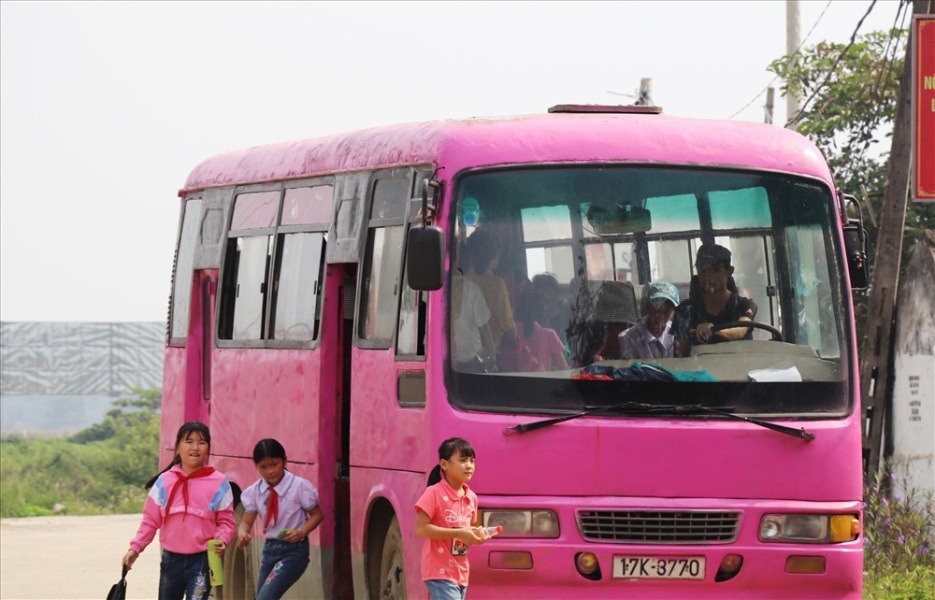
343	278
342	258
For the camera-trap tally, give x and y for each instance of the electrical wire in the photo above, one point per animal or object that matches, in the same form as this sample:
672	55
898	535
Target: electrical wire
801	112
884	66
890	49
888	61
805	39
892	44
905	8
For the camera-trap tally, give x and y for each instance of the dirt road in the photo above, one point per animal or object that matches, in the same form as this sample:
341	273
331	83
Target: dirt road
46	558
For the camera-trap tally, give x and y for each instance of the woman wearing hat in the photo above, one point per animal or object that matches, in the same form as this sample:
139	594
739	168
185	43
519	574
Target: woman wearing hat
713	301
650	337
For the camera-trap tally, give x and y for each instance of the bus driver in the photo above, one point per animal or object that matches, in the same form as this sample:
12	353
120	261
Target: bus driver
713	300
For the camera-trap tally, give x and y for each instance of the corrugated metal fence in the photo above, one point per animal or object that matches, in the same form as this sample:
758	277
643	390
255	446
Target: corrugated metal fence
80	359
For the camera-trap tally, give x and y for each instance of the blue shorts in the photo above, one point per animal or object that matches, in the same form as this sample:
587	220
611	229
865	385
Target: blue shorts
445	589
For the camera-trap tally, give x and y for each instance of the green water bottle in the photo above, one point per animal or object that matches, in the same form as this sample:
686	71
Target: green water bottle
215	564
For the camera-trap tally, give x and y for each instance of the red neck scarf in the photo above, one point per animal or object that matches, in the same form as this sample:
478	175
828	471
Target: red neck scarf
272	508
182	482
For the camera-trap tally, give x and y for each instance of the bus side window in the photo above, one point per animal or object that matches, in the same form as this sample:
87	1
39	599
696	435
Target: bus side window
246	267
410	337
383	262
182	275
297	281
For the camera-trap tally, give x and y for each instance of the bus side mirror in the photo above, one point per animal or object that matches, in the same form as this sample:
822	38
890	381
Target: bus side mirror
425	253
855	244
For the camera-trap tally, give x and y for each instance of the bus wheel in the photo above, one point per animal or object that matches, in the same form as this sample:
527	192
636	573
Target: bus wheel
392	568
238	570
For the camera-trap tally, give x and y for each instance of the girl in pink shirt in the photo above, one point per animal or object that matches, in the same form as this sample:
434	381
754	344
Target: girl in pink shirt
189	503
444	517
531	346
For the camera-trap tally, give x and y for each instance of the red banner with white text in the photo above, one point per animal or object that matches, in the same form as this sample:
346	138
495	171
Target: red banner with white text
923	98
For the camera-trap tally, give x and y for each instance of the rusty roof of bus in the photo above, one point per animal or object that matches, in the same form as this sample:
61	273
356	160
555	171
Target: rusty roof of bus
532	139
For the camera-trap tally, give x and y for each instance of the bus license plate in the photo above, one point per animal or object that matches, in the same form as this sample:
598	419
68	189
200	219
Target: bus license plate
659	567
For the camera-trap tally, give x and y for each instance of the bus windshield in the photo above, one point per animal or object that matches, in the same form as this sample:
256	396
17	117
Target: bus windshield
555	271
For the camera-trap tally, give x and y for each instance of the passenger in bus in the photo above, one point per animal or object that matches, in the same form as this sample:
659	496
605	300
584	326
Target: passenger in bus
650	338
714	300
289	510
472	345
531	346
586	338
557	311
513	273
483	252
189	503
445	515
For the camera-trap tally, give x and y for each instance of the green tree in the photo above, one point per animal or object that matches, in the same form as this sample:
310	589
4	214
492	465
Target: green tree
132	427
851	92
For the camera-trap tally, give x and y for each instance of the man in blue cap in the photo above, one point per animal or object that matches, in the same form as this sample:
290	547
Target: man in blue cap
714	301
650	337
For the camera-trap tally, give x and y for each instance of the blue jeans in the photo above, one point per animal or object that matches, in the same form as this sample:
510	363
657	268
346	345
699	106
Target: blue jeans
183	576
283	564
445	589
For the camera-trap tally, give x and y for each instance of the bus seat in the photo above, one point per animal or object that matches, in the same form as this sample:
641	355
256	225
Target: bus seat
615	302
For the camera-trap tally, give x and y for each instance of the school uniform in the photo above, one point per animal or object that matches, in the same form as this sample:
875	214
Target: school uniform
283	562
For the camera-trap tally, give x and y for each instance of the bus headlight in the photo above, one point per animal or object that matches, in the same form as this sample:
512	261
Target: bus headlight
805	528
523	523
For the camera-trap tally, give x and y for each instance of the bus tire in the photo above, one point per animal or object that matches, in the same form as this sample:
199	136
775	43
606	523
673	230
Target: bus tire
392	566
239	576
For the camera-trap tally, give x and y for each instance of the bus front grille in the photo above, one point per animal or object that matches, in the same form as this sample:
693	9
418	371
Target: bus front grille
658	527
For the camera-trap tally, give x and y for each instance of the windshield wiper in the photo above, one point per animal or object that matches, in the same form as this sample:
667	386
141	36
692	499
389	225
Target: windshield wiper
799	433
674	409
625	407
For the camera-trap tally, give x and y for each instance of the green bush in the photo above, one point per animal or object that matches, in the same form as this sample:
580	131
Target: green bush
100	470
915	584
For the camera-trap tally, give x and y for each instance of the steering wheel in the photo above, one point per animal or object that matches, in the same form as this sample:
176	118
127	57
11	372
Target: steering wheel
777	335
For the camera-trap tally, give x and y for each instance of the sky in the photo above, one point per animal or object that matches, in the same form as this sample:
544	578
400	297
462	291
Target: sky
105	107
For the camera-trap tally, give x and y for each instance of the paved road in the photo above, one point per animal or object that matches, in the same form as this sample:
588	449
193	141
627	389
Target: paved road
46	558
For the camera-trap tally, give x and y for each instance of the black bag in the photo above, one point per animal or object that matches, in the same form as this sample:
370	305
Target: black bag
118	591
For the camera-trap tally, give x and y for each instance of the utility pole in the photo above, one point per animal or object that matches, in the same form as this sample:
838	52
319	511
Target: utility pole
793	41
646	92
876	356
770	94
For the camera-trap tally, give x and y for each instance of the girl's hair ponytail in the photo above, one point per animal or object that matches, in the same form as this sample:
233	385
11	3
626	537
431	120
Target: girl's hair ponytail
184	430
435	475
446	451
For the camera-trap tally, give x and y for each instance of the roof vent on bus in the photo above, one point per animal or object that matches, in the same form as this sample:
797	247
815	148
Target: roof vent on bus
605	108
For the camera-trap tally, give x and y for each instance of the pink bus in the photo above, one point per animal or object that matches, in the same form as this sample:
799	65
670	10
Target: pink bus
357	297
